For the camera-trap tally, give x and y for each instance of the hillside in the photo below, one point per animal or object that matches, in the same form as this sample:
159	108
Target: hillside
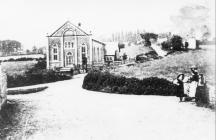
172	65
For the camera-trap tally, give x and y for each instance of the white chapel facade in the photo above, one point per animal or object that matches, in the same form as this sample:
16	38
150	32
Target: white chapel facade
68	46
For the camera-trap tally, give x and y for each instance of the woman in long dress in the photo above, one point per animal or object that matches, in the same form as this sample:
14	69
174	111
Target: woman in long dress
180	87
194	79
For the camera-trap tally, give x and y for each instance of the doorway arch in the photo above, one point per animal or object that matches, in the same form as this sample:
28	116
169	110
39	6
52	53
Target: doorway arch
69	59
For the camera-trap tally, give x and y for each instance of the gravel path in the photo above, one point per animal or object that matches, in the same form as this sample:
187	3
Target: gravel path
65	111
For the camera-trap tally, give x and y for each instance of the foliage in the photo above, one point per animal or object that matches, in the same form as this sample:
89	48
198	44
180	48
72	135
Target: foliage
121	46
41	64
169	67
166	45
124	57
8	47
37	50
25	59
99	81
35	75
39	77
147	37
176	43
124	36
151	55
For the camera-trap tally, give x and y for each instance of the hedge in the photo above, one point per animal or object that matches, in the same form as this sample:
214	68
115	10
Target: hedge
36	75
99	81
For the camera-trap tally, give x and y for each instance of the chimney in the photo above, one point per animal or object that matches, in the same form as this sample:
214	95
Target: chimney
79	24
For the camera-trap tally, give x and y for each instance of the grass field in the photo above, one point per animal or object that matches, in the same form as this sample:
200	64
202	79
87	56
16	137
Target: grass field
172	65
18	67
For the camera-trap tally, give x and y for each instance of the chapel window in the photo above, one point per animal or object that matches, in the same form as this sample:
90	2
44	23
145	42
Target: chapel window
55	57
83	51
55	52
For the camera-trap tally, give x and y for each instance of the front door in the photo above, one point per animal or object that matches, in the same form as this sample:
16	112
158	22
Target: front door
69	59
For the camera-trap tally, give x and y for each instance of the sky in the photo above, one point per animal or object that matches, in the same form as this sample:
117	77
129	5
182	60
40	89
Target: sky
29	21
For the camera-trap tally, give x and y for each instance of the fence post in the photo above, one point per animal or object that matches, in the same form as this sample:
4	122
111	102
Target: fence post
3	88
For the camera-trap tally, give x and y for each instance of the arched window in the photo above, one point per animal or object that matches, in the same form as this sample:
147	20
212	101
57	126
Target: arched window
69	33
69	58
69	37
55	52
83	50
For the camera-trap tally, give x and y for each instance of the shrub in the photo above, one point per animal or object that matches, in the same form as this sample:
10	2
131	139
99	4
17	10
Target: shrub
36	75
99	81
176	42
166	45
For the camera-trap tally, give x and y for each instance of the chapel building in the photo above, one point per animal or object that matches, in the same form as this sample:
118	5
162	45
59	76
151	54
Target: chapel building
69	45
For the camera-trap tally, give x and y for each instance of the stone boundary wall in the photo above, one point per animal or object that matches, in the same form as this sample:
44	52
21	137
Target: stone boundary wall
3	88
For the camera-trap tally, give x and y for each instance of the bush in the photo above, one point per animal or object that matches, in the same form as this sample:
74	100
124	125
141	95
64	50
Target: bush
36	75
99	81
166	45
176	42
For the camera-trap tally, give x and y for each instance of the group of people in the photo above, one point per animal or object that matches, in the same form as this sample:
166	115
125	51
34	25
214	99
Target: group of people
187	87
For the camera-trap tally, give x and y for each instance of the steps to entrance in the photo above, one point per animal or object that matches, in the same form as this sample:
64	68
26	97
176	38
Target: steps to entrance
65	69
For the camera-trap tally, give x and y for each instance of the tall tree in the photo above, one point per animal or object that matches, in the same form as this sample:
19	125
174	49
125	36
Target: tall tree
34	50
147	37
9	47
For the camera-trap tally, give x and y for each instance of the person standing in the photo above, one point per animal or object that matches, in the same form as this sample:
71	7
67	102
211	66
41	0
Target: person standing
84	64
180	87
194	79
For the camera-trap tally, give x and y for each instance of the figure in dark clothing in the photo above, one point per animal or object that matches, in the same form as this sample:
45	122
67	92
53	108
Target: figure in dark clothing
180	87
84	63
186	45
195	75
202	90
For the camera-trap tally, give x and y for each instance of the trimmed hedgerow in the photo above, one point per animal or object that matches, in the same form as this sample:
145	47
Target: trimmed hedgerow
99	81
36	75
39	77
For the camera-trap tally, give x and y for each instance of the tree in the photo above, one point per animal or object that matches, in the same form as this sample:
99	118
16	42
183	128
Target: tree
42	50
166	45
147	37
8	47
28	51
121	46
176	42
34	50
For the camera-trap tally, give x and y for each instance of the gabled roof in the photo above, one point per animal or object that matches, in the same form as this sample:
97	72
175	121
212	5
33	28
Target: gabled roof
68	23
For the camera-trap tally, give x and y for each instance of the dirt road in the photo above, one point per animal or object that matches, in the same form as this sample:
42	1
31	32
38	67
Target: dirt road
65	111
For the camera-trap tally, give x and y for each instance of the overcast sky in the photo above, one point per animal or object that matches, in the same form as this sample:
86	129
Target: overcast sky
28	21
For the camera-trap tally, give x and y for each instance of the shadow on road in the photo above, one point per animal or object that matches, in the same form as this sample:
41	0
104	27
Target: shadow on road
13	118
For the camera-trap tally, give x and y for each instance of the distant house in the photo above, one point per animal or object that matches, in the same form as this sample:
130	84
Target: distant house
131	50
69	45
192	42
109	58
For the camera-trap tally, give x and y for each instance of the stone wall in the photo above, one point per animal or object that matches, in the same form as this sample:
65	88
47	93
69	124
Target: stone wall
3	88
